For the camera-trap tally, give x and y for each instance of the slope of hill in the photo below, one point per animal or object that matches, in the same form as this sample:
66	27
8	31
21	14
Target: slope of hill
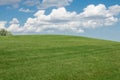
47	57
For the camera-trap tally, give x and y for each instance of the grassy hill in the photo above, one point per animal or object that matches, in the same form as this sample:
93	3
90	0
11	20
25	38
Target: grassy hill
48	57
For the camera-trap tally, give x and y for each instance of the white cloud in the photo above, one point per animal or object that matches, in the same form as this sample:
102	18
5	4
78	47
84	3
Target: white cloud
61	20
13	3
25	10
54	3
93	10
2	24
58	20
14	26
14	21
7	2
47	3
115	10
32	3
99	16
37	3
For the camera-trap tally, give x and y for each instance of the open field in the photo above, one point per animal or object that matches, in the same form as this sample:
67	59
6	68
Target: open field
53	57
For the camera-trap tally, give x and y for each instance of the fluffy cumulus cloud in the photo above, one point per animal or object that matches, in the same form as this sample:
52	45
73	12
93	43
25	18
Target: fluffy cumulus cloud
61	20
14	26
99	15
2	24
115	10
58	20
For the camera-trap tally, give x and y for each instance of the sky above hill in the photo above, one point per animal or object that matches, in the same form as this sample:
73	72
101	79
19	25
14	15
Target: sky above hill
91	18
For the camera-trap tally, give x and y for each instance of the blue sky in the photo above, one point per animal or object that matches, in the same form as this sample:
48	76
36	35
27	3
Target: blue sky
91	18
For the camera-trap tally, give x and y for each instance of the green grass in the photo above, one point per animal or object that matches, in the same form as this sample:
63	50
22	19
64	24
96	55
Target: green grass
52	57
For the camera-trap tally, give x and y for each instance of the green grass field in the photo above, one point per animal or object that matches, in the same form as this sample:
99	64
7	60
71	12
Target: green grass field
53	57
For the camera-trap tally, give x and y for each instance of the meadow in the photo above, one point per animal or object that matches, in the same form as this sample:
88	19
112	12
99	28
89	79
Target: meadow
58	57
